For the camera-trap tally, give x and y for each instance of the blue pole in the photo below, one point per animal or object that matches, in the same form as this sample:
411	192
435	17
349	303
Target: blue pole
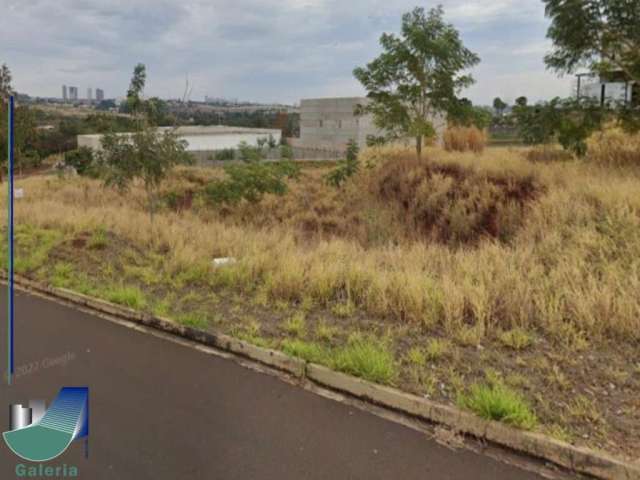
10	237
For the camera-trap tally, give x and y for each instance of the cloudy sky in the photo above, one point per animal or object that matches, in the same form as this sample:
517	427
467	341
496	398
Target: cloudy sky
262	50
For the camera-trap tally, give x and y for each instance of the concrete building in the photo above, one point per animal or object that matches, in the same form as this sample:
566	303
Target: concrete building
73	94
90	94
65	95
329	123
203	142
99	94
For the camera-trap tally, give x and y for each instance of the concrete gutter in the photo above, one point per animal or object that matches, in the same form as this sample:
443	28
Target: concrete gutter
577	459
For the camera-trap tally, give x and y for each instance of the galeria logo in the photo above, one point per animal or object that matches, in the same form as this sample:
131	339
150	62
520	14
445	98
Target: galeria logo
38	434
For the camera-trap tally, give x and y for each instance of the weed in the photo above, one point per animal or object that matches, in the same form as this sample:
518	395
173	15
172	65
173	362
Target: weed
296	325
499	403
131	297
516	339
194	319
415	356
326	332
368	358
344	310
437	348
309	351
98	240
584	409
62	275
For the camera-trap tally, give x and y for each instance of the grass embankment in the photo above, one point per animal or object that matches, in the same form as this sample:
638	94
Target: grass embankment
505	286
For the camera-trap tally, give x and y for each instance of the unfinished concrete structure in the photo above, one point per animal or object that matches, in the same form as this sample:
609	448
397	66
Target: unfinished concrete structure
329	123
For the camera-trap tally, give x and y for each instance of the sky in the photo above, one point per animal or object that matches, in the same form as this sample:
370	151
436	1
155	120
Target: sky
258	50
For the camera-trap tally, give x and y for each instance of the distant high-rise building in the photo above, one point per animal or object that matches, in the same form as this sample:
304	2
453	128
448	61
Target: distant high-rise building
73	94
99	94
89	94
65	96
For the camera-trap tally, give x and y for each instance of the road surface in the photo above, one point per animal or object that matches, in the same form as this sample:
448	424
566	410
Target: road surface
161	410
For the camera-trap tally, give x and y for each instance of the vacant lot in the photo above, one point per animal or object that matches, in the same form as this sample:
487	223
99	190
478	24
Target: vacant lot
506	287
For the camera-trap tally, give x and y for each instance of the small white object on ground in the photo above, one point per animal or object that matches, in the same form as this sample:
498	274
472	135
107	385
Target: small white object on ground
18	192
219	262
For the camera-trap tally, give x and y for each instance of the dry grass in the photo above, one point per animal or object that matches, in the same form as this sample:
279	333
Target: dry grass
464	139
614	148
570	270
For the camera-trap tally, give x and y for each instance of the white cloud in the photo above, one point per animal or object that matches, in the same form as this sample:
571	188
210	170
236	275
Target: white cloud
255	49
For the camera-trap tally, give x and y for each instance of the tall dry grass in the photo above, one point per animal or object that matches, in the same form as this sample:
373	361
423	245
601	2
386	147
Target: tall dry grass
613	147
571	269
464	139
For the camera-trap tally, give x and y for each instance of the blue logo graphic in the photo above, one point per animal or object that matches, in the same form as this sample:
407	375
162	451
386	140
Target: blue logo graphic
39	435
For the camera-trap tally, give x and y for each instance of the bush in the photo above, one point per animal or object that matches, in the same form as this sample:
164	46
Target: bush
250	182
452	203
81	160
463	139
249	153
346	168
286	152
225	154
615	148
499	403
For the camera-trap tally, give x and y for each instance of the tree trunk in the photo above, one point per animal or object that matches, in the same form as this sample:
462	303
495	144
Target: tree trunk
419	146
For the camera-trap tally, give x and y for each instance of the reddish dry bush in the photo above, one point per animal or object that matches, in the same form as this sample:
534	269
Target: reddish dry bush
464	139
454	204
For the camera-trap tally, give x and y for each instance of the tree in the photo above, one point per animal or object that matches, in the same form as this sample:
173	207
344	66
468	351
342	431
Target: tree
602	35
499	105
6	89
146	154
417	76
466	114
136	89
521	101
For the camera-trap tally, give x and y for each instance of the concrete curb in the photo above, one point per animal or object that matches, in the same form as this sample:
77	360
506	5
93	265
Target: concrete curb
578	459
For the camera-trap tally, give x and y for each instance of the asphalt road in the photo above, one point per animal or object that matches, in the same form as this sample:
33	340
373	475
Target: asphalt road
161	410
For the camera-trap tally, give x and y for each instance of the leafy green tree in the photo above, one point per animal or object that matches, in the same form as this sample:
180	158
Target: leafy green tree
521	101
345	168
602	35
135	93
499	105
569	122
146	154
465	114
417	76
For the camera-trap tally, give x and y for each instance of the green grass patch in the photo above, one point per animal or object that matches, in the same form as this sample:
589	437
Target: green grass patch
498	402
368	358
309	351
296	325
33	246
131	297
193	319
62	275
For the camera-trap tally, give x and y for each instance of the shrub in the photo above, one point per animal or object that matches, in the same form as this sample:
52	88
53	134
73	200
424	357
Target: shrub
464	139
81	160
614	148
286	152
225	154
249	153
517	339
250	182
500	403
